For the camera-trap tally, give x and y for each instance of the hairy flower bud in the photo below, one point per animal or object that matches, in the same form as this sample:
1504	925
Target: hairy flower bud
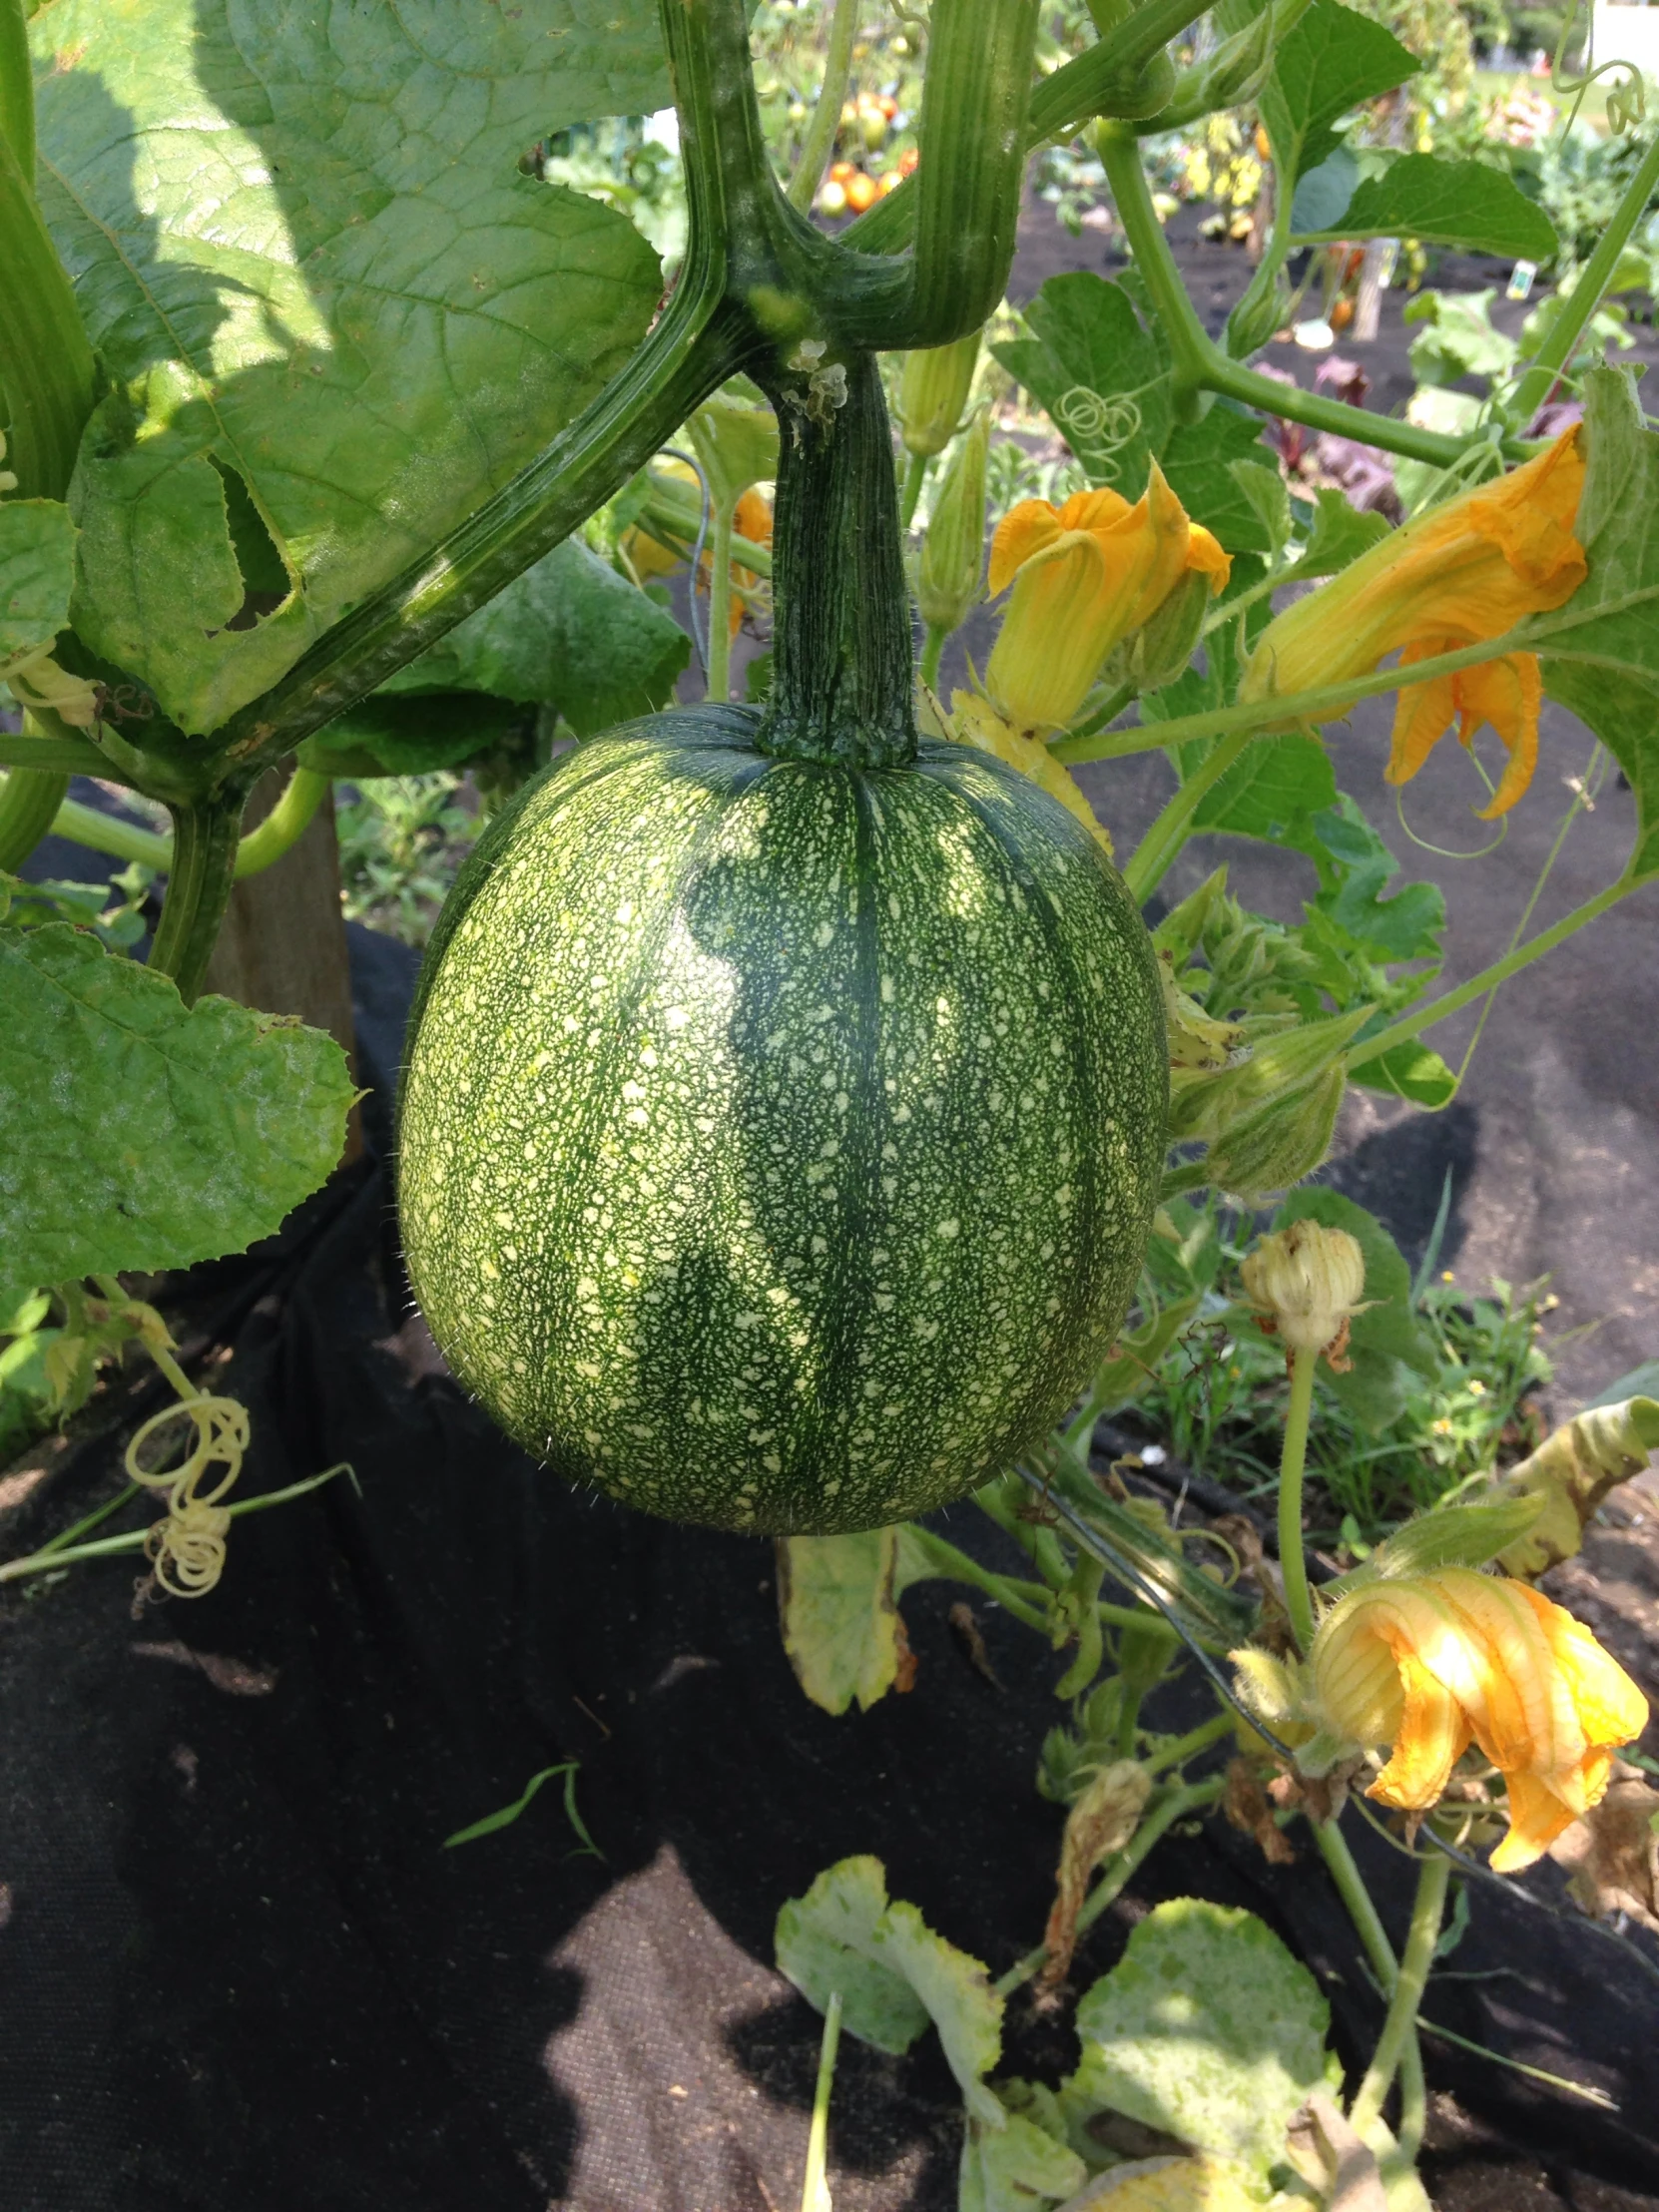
951	571
1310	1279
932	392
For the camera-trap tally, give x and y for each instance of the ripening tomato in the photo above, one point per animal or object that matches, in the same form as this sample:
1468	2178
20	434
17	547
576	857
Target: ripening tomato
832	198
860	193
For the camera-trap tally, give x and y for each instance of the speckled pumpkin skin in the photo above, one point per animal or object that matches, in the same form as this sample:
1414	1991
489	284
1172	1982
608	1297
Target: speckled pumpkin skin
780	1141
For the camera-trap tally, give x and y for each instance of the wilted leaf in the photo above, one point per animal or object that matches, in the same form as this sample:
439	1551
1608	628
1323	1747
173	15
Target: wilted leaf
1572	1470
1206	2029
1612	1853
137	1133
843	1632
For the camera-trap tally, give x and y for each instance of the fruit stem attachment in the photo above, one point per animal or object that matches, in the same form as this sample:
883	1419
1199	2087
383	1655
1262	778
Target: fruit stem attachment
842	674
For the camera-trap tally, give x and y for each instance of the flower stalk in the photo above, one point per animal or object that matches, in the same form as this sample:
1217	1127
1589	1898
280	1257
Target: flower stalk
1292	1556
1399	2025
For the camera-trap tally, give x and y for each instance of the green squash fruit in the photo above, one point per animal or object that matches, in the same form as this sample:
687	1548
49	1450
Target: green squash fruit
780	1137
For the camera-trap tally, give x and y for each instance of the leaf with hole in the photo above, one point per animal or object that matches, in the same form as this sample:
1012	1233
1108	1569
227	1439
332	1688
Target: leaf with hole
334	313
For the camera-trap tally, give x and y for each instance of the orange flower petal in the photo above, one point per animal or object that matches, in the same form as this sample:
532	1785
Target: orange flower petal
1204	553
1508	694
1433	1735
1055	634
1611	1708
1536	1817
1103	509
1424	714
1025	530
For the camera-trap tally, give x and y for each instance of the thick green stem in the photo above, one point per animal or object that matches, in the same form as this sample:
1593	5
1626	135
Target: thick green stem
1573	312
1520	956
720	605
827	116
973	121
17	87
1157	851
286	824
842	674
205	839
46	366
127	841
1291	1561
1374	1937
815	2193
1058	104
29	802
1399	2028
61	749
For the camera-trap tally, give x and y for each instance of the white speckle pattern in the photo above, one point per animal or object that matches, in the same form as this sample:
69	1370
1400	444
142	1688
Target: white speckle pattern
773	1158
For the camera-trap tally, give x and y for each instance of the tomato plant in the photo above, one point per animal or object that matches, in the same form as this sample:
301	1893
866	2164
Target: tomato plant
801	1114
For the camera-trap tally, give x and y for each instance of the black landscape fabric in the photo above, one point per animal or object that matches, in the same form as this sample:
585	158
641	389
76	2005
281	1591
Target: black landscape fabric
242	1973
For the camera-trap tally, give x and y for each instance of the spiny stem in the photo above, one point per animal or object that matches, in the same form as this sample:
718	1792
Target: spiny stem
205	841
1399	2026
1292	1560
827	116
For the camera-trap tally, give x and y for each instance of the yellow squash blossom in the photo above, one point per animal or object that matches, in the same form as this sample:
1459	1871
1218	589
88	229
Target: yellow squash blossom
1461	573
1084	576
1431	1664
977	723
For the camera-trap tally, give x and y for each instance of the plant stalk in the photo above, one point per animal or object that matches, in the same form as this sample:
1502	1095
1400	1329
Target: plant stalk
815	2194
1200	364
1399	2028
1520	956
720	606
205	840
1575	310
827	116
916	475
931	653
1156	853
1292	1560
17	88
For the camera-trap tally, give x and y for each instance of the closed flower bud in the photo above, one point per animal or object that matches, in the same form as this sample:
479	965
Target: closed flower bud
951	571
932	392
1309	1280
1265	308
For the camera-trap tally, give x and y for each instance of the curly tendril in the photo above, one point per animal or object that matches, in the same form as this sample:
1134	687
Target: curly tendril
1626	102
1095	428
187	1546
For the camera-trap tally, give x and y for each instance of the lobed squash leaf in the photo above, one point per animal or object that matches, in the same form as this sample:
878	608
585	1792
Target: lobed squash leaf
1443	203
139	1132
1333	60
334	312
1207	2030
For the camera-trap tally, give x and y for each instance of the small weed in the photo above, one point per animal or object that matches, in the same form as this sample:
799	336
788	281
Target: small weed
1219	1396
402	839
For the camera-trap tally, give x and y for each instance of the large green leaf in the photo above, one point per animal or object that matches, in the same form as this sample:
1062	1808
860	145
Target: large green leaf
1443	203
37	567
1099	373
1018	2167
1602	650
569	633
1207	2030
1272	786
137	1133
1198	460
334	313
894	1974
1331	62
